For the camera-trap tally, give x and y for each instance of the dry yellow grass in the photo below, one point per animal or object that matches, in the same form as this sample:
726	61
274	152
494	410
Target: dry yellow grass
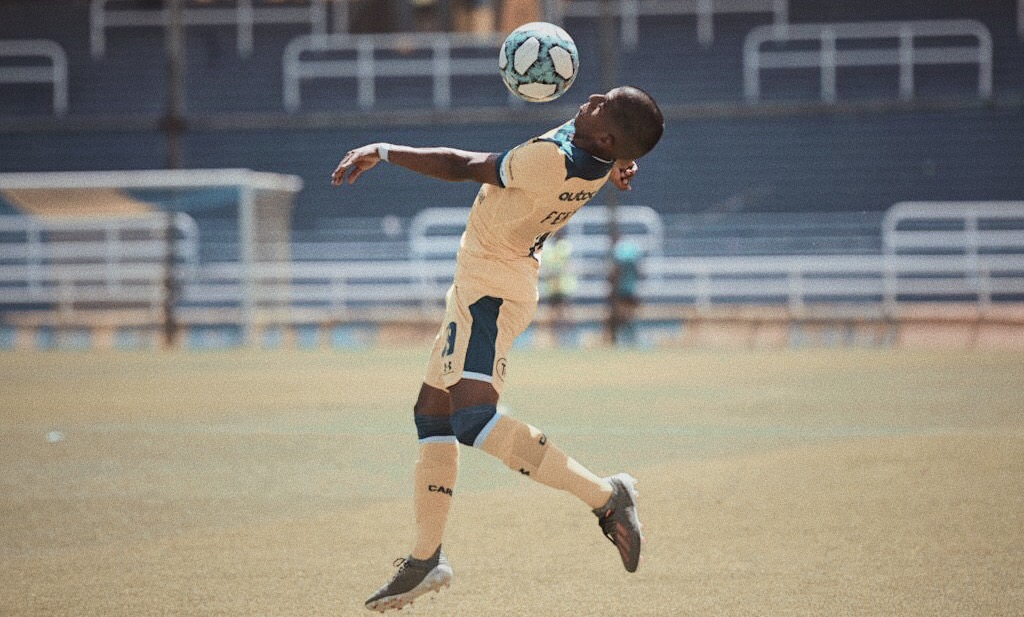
850	482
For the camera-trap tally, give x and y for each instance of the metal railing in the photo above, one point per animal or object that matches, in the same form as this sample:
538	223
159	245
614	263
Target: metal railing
244	16
878	283
901	49
295	292
980	264
70	262
56	73
630	11
868	284
970	228
365	68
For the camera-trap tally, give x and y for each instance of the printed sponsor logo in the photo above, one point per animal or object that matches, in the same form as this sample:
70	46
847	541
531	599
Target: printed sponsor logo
578	196
437	488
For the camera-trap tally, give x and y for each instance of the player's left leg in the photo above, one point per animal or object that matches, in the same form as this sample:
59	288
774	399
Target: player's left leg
522	447
525	449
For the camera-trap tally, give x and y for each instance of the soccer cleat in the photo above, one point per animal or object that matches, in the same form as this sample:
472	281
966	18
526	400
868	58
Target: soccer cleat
414	578
619	521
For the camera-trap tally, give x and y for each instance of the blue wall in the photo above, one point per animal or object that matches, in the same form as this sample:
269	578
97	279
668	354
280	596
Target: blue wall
788	163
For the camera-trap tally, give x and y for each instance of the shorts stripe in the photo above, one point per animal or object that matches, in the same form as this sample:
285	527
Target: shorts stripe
482	337
477	376
486	430
440	439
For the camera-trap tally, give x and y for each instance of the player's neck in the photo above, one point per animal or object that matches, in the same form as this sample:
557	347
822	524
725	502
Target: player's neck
593	148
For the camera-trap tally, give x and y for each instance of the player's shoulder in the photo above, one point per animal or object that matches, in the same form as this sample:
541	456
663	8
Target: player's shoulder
533	159
540	149
577	162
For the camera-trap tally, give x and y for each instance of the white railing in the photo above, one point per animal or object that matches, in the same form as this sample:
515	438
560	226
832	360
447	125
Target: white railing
56	73
434	232
973	228
292	291
325	291
244	15
630	11
66	262
979	265
893	44
881	282
303	59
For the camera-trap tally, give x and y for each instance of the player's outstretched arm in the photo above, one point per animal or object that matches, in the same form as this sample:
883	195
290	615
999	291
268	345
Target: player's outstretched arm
443	163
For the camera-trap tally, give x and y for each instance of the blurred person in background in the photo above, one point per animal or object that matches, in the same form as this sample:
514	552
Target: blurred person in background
625	277
515	13
427	15
558	284
474	16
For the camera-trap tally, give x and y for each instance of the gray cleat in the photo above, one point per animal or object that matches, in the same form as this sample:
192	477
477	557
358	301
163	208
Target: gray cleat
414	578
619	521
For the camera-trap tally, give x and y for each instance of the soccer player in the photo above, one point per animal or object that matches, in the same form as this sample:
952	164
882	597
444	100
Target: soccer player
528	194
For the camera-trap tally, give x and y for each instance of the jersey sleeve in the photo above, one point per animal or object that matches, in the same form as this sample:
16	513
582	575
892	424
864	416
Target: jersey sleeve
535	166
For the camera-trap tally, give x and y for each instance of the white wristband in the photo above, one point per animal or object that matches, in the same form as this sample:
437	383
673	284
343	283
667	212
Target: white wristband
382	152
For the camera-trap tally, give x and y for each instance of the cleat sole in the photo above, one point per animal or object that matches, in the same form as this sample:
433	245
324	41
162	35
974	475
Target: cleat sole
438	579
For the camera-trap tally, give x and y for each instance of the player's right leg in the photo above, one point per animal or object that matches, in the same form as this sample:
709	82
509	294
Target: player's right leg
436	468
426	568
414	578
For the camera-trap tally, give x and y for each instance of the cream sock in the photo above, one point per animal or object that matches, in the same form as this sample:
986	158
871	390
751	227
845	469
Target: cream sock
436	470
525	449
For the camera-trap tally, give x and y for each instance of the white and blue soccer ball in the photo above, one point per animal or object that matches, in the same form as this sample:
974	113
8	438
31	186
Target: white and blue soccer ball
538	62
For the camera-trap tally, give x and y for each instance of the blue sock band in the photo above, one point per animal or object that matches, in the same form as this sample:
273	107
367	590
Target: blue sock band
470	421
434	428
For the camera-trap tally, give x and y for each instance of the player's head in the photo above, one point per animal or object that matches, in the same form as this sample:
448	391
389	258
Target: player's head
623	123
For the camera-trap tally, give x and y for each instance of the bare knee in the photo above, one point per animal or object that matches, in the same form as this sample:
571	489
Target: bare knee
472	392
432	402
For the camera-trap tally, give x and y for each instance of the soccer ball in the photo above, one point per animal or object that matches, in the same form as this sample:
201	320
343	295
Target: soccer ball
538	62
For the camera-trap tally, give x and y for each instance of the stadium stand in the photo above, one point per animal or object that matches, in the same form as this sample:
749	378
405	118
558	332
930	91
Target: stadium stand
793	163
788	176
699	73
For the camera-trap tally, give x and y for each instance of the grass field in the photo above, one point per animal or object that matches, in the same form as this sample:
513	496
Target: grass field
816	482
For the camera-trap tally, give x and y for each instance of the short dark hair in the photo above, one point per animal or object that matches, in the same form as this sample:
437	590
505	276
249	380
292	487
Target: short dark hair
639	120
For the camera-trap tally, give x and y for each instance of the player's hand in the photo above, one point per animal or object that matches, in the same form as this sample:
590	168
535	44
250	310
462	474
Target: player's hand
360	160
623	173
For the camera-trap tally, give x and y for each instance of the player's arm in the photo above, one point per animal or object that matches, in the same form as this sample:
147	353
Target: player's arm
444	163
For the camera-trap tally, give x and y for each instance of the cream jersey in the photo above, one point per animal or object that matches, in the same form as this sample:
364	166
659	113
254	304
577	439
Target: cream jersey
543	183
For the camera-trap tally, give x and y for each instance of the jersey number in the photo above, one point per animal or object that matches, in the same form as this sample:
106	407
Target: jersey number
538	243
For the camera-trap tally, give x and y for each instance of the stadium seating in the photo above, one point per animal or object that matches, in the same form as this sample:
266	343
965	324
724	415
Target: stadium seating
669	59
708	165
